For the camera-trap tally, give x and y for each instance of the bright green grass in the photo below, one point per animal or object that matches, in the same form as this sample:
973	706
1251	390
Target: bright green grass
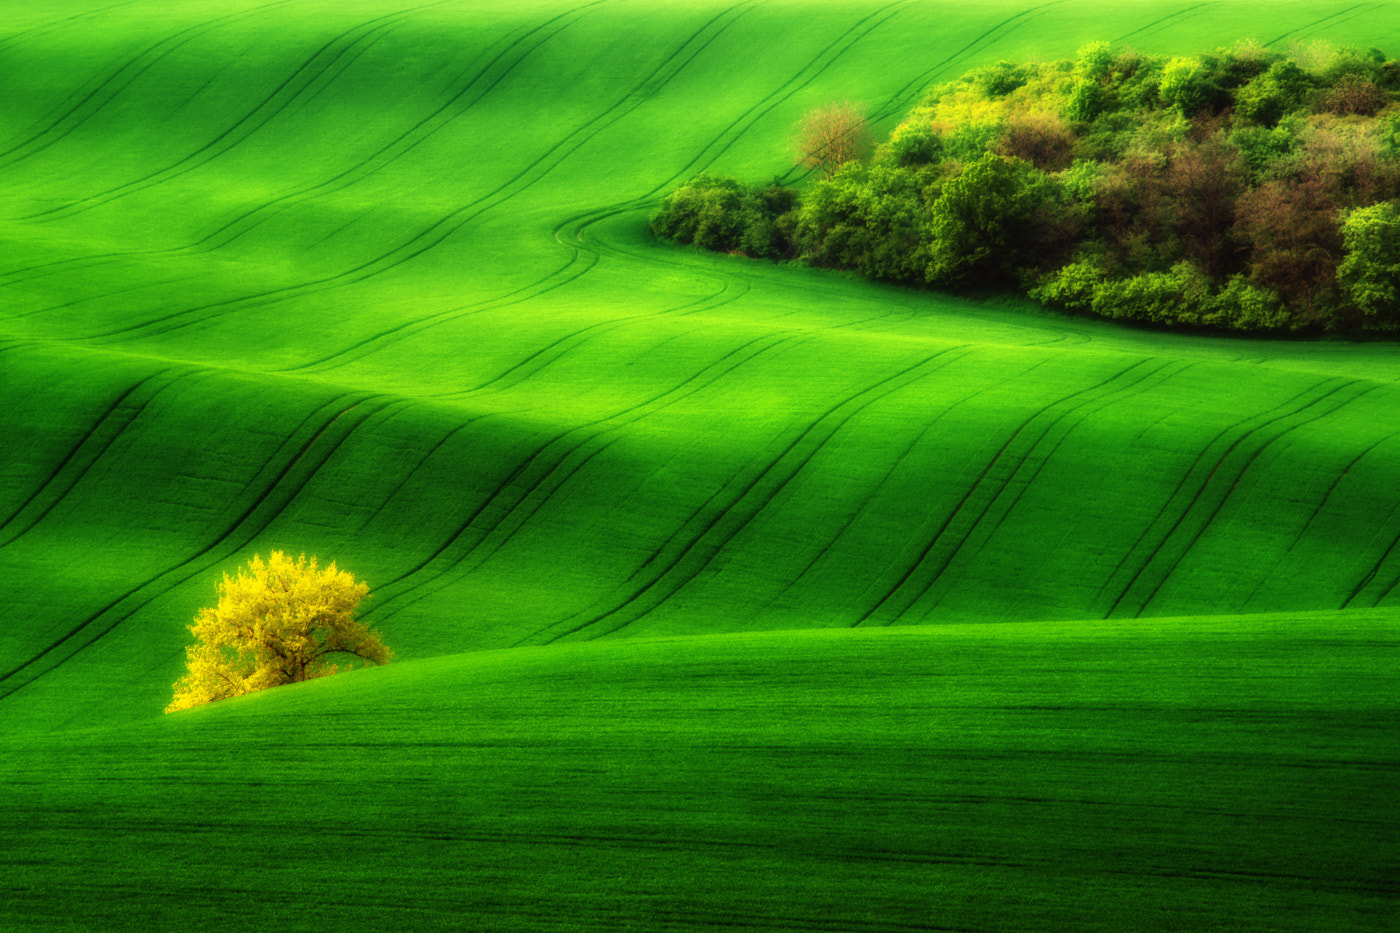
1162	775
371	281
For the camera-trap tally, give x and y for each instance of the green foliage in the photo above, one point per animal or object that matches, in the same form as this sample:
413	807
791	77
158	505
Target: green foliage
999	79
1267	151
1369	275
1092	62
868	218
970	142
1243	306
1215	175
912	145
1087	97
1265	100
1186	85
280	622
725	215
979	222
1180	296
707	211
1388	137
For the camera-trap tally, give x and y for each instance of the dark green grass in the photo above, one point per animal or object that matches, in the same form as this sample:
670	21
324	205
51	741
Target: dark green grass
1197	774
372	282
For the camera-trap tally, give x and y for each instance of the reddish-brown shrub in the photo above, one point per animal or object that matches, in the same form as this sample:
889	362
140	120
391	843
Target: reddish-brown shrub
1290	228
1042	139
1203	183
1352	94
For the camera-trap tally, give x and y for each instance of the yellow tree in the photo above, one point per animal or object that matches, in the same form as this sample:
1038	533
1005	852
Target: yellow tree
831	136
278	622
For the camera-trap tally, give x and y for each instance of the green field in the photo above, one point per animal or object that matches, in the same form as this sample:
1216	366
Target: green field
724	594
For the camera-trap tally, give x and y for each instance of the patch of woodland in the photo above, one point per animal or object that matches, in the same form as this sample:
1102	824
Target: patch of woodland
1244	189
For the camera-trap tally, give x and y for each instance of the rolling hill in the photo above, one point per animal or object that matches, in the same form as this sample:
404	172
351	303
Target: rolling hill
372	280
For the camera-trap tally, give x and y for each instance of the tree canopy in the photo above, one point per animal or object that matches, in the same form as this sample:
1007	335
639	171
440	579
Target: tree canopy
1242	189
280	621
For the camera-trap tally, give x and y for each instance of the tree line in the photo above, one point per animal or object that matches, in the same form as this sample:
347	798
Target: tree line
1243	189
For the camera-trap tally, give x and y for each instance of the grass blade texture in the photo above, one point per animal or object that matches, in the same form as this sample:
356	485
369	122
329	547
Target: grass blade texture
723	594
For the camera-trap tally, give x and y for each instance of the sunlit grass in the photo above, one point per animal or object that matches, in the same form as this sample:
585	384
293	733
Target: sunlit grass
373	283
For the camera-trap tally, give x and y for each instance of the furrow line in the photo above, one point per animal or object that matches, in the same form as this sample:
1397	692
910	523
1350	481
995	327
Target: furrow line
870	497
18	38
84	456
248	221
728	511
438	231
1317	511
441	442
1212	496
1156	23
556	279
1314	24
901	100
942	545
532	173
338	54
138	65
747	120
387	154
1027	470
1187	490
253	519
1368	579
531	477
304	194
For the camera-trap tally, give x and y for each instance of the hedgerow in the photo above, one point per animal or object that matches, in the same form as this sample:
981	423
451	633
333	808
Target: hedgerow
1242	189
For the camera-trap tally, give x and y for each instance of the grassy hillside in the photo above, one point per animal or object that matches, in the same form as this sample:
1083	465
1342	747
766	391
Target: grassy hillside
371	280
1086	776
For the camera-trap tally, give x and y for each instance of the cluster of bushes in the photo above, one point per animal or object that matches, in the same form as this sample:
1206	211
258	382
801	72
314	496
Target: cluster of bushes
1243	189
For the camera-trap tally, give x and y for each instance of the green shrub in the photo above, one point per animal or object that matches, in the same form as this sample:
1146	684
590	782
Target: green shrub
1000	79
970	143
1266	99
868	218
912	145
1243	306
1267	151
1071	287
1369	275
980	222
725	215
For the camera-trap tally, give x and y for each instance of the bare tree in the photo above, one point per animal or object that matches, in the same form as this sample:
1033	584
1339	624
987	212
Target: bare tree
831	136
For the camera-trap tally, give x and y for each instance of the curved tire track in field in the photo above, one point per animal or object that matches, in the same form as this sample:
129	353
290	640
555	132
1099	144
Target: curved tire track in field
1028	470
1000	473
1319	509
34	32
245	518
874	492
98	439
1158	25
577	224
1331	19
245	222
1199	498
324	66
312	85
686	554
543	472
1386	568
445	226
63	122
824	59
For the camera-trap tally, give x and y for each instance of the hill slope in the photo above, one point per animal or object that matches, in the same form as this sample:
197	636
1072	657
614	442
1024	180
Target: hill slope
371	280
1035	776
